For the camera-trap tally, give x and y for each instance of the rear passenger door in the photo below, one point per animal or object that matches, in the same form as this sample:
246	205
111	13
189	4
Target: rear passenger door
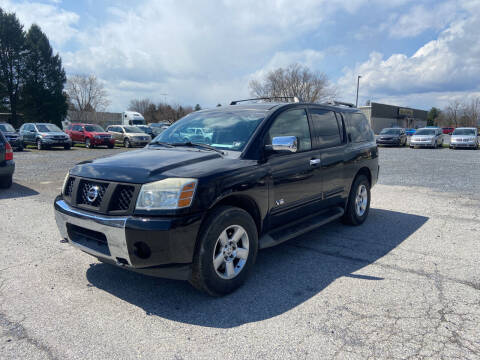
328	135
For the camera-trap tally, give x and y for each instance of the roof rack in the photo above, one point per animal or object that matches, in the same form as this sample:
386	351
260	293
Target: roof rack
294	98
340	103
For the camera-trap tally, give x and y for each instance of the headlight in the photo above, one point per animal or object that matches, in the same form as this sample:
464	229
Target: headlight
168	194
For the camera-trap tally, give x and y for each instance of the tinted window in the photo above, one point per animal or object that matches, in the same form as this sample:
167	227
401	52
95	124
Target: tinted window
48	128
292	123
325	128
6	127
359	129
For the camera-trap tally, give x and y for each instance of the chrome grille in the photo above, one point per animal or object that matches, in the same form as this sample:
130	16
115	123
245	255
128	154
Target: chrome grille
84	188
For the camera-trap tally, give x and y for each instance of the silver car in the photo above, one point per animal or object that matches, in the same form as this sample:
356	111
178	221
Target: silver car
128	135
427	137
464	137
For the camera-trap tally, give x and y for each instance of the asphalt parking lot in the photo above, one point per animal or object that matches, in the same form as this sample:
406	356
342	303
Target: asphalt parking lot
406	284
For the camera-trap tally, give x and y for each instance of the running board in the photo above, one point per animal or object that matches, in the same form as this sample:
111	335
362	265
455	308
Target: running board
299	227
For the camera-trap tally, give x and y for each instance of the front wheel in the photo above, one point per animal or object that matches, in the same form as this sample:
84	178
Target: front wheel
358	205
88	144
126	143
39	145
226	251
6	182
67	147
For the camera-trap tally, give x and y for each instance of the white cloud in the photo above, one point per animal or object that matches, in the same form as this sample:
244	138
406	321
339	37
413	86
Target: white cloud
449	65
58	24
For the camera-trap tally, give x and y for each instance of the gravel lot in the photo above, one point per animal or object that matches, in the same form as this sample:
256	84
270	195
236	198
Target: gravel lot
406	284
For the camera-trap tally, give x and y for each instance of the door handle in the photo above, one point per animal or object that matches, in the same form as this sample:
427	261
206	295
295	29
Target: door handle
314	162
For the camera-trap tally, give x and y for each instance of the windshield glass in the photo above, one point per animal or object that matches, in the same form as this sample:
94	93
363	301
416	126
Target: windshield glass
48	128
137	122
132	129
390	132
464	132
220	129
94	128
425	132
6	128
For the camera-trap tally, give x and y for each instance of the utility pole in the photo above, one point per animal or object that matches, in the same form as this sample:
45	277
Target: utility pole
358	85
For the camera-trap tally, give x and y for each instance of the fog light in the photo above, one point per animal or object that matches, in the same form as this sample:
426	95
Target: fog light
141	250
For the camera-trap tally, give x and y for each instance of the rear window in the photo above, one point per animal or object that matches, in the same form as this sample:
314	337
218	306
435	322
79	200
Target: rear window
325	128
359	128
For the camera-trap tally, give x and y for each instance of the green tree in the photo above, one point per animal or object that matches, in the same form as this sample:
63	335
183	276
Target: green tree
42	96
432	116
12	49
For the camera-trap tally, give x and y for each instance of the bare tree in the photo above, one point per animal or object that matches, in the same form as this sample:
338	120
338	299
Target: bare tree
140	105
452	112
86	94
471	112
295	80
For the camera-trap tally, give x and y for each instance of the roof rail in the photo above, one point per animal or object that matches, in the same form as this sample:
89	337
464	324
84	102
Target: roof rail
339	103
294	98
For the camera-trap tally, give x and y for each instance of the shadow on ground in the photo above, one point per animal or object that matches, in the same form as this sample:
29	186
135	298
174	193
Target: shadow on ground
284	276
17	191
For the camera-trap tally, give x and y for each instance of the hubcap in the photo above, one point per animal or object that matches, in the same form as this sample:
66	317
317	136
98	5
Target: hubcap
230	253
361	200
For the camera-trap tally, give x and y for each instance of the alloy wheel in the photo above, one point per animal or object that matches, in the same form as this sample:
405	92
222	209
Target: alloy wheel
231	252
361	200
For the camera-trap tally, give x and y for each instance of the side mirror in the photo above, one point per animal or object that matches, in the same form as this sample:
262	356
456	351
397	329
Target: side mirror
285	143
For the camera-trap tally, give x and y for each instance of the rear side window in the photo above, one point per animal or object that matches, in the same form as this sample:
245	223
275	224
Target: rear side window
292	123
326	131
359	128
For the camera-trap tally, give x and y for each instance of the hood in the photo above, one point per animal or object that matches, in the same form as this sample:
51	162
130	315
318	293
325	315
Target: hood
53	133
94	133
423	136
9	133
136	134
142	166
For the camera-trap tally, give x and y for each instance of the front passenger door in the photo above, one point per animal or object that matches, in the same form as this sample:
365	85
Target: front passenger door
295	184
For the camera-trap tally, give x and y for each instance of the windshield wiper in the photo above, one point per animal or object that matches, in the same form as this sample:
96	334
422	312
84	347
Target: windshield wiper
203	146
161	143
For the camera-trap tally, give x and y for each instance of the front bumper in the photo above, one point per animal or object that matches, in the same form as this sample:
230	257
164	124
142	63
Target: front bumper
16	143
155	246
103	141
392	142
422	143
56	142
463	144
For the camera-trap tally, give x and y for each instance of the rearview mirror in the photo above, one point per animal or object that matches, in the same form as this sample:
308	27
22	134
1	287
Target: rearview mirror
285	143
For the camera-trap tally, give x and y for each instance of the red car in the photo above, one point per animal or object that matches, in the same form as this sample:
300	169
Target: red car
90	134
448	130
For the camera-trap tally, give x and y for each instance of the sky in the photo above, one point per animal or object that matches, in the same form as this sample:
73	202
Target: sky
409	53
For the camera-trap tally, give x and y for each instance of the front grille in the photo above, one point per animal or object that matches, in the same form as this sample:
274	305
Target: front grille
112	198
87	186
122	197
69	186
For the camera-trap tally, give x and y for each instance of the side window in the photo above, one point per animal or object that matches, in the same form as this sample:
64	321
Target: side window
292	123
359	128
77	128
326	131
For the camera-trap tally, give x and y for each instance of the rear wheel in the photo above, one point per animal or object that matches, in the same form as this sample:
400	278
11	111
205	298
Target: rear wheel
6	182
358	205
226	251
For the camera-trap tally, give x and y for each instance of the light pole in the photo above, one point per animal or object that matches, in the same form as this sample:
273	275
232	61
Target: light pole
358	85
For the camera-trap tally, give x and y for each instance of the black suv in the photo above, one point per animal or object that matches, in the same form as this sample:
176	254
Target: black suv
200	209
7	165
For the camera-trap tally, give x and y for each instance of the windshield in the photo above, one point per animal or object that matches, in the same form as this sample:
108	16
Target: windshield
464	132
132	129
137	122
390	132
425	132
6	128
220	129
94	128
48	128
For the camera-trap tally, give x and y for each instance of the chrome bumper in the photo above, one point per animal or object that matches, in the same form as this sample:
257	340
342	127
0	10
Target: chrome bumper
113	227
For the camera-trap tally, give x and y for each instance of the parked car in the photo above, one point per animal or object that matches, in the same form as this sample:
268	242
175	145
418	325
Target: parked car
128	135
448	130
410	131
200	212
7	165
12	136
392	136
44	136
91	135
147	130
203	135
158	128
464	138
427	137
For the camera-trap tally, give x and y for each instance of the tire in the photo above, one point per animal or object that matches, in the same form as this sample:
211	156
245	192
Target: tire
67	147
88	144
356	215
220	278
20	147
110	146
6	182
40	146
126	143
